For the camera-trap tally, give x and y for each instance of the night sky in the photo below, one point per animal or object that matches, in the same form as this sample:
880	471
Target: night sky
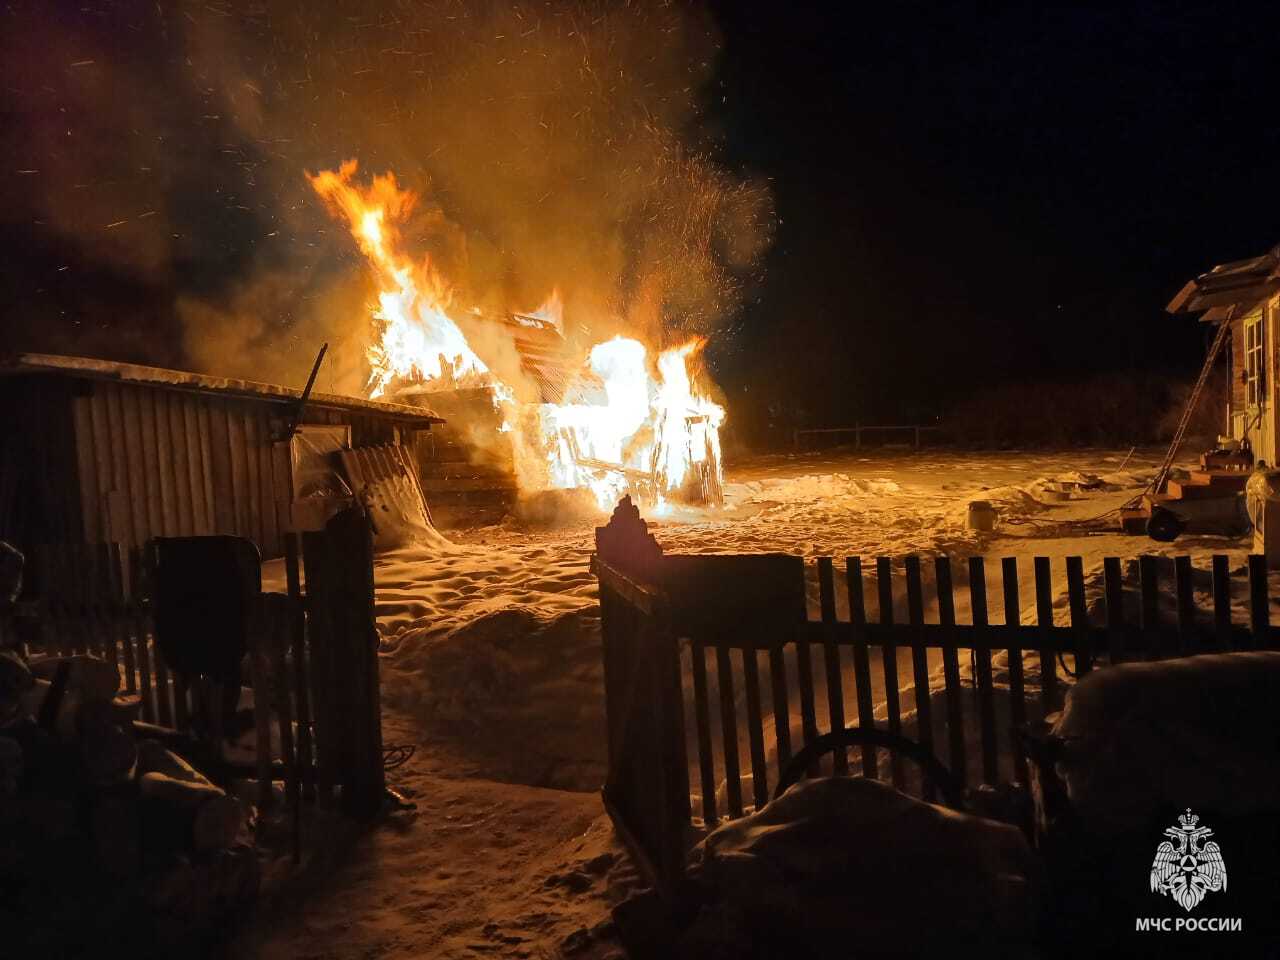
962	194
970	193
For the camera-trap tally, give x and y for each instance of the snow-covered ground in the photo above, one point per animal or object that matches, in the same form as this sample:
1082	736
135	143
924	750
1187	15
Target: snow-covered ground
491	640
491	666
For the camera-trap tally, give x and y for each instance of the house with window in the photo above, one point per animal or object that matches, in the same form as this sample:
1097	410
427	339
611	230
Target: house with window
1244	295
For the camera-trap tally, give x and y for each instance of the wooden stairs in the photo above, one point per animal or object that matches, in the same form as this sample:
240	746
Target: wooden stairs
1206	484
1214	480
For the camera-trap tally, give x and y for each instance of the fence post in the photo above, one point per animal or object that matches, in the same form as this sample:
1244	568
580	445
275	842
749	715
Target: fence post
339	565
647	790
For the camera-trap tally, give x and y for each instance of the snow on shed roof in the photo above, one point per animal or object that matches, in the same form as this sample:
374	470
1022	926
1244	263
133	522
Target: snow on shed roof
1238	283
90	368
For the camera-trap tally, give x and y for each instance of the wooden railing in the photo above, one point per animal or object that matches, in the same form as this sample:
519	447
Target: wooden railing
683	637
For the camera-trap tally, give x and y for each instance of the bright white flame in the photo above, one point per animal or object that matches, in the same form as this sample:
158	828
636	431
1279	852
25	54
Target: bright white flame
418	340
648	430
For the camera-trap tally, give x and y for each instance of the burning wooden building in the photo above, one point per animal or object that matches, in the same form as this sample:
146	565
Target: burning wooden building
472	467
531	410
93	451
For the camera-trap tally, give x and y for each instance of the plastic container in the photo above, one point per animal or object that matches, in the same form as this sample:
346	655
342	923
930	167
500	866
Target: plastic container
982	516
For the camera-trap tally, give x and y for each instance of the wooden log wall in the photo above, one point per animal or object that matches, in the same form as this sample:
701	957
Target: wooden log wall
466	465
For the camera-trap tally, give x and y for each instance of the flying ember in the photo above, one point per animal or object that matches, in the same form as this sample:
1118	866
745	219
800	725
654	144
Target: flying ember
611	420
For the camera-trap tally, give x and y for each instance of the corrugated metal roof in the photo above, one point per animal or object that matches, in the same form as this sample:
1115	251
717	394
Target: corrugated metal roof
1240	283
90	368
545	356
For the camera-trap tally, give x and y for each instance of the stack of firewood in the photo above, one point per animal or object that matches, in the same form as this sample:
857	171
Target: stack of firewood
83	795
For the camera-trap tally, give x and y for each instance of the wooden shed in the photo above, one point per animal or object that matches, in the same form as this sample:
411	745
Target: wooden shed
93	451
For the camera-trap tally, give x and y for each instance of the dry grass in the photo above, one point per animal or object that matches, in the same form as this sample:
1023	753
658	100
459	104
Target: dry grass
1107	410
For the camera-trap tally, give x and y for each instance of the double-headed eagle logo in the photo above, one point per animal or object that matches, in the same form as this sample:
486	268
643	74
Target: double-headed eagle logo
1187	871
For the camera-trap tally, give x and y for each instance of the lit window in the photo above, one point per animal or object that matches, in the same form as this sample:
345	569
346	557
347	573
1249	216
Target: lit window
1255	371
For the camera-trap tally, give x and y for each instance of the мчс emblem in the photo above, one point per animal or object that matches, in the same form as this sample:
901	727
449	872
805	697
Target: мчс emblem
1184	869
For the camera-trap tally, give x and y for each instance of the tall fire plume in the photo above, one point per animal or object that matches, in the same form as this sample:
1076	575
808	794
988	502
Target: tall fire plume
625	421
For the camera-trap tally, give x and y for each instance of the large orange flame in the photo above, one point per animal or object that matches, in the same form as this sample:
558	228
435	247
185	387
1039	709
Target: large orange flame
653	431
417	339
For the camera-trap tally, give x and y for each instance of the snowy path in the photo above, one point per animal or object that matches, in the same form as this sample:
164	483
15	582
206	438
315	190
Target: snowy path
480	869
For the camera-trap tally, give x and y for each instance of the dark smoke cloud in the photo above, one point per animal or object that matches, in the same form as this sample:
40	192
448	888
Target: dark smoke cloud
158	153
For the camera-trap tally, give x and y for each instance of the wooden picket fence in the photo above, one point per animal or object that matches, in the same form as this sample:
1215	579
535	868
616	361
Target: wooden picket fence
675	625
312	656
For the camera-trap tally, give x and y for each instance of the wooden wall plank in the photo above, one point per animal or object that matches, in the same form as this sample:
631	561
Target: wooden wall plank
135	464
184	517
91	499
58	488
146	400
195	465
223	495
270	545
282	483
166	471
204	418
253	484
242	526
104	454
